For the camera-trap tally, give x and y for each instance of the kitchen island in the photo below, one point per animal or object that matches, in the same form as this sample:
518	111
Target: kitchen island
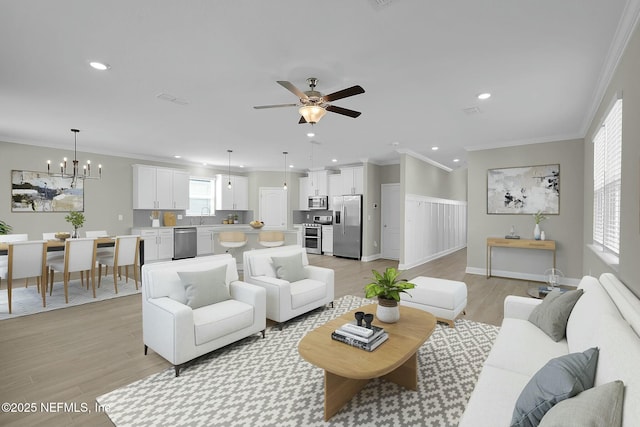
159	240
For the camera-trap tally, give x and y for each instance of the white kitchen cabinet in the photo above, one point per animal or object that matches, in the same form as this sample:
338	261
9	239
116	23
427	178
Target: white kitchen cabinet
352	180
235	198
335	187
318	183
180	184
158	244
327	239
160	188
304	193
205	241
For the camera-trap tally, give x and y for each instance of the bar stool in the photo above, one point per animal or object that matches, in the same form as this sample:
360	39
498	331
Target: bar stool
232	240
271	239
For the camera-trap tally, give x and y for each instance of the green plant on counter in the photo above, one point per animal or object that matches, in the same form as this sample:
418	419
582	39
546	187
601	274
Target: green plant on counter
387	285
5	228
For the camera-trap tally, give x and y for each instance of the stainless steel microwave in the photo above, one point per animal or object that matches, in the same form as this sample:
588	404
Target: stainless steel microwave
318	203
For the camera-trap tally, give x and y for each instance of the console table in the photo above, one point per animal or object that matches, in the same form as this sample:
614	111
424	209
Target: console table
546	245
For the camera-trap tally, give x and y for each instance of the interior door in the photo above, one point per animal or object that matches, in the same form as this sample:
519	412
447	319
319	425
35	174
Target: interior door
273	206
390	204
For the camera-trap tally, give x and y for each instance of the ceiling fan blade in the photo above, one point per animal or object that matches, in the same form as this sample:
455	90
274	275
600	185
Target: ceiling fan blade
353	90
259	107
302	120
343	111
291	88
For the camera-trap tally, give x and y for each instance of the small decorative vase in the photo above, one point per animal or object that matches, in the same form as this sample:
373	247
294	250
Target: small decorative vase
536	232
75	234
542	236
388	310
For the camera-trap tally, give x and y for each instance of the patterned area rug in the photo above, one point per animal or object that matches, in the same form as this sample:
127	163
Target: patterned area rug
264	382
27	301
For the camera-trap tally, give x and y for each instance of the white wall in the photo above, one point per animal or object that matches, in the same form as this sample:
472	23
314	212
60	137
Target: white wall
565	228
625	80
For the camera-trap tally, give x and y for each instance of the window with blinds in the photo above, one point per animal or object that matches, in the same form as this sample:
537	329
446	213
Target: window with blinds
201	196
607	177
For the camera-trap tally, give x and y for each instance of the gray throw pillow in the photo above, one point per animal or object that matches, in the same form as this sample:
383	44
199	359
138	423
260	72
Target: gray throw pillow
596	407
205	287
552	314
289	268
561	378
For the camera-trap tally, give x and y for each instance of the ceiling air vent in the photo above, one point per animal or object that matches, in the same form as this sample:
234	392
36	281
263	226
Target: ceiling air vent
472	110
171	98
380	4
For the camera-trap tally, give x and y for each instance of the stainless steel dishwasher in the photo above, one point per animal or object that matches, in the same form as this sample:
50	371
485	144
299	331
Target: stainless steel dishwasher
185	242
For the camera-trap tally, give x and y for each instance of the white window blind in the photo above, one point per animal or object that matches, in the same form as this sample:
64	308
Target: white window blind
607	177
201	196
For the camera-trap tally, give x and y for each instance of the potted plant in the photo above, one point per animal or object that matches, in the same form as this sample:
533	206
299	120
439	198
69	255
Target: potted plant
387	287
5	228
76	219
538	217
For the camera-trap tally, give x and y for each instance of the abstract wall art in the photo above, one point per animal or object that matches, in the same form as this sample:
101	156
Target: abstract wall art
41	192
524	190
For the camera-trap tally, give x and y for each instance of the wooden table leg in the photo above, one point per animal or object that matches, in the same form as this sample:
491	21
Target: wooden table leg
405	375
338	391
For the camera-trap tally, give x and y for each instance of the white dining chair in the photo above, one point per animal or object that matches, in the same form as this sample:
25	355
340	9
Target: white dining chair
51	256
101	251
7	238
125	254
26	259
96	233
79	256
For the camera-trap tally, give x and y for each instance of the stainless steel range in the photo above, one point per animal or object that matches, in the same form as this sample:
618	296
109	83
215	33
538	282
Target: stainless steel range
312	233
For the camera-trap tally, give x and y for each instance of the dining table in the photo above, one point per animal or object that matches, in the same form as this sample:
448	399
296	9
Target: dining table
58	245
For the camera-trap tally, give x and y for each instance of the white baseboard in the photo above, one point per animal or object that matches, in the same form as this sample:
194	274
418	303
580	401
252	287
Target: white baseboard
522	276
370	257
406	266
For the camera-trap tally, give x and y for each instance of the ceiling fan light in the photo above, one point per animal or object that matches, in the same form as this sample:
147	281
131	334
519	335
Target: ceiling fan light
312	113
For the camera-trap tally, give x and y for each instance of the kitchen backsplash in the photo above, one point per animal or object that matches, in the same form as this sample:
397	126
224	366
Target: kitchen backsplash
142	218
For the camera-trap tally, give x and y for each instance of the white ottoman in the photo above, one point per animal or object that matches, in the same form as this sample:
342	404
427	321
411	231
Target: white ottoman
445	299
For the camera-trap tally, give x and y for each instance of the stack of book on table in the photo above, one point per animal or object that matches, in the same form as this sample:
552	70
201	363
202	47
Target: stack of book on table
360	337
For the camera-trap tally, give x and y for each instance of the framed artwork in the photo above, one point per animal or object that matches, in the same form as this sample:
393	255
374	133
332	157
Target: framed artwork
524	190
41	192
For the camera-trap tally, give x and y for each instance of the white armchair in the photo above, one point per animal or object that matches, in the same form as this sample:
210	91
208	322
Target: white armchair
285	299
180	333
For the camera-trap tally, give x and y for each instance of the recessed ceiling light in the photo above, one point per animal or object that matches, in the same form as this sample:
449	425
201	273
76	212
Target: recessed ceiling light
434	148
311	134
290	166
241	166
99	65
485	95
204	164
334	160
177	156
456	160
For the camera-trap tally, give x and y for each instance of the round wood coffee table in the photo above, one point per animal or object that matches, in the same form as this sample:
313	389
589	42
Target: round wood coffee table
348	369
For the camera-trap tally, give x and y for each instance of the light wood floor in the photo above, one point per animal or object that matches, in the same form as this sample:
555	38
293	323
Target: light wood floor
75	354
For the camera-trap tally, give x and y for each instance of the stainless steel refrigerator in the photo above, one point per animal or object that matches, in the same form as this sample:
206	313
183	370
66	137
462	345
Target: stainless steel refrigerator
347	226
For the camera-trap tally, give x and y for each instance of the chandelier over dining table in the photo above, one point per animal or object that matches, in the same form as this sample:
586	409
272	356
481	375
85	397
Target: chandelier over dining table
74	173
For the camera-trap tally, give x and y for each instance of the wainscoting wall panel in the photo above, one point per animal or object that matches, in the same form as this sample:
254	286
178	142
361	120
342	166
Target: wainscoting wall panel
433	228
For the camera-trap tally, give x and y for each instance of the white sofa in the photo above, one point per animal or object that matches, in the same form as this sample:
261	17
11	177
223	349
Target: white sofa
606	316
287	300
179	333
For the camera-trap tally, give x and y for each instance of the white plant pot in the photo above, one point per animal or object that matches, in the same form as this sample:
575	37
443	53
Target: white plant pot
388	314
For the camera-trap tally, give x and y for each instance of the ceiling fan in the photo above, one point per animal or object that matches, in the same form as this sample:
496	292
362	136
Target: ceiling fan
313	105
